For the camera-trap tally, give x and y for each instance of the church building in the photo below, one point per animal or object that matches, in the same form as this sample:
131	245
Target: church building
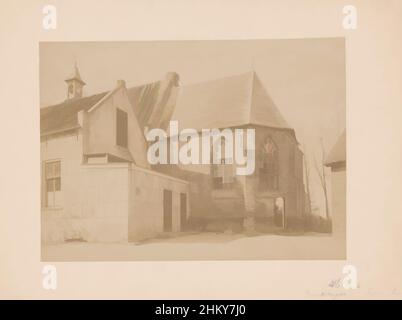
97	184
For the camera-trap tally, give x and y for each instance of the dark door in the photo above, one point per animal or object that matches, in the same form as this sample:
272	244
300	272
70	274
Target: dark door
183	211
167	210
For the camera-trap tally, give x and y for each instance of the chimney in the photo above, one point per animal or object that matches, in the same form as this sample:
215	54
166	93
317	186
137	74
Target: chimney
121	83
163	106
172	78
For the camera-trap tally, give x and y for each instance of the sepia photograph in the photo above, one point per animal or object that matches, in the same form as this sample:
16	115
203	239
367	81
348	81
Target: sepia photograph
193	150
201	159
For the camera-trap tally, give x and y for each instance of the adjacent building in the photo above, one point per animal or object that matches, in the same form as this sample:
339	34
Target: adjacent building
97	184
336	160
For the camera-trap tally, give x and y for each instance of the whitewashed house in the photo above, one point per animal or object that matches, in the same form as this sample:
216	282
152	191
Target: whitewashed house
97	184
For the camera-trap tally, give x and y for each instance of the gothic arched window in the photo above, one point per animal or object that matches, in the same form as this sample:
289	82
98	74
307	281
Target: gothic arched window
269	165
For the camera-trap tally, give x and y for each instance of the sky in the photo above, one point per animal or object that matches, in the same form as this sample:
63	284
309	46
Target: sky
304	77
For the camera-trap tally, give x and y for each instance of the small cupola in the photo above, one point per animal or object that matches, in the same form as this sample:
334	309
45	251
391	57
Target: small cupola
75	84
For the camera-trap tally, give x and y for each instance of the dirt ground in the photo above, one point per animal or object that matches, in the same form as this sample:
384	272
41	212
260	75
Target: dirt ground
205	246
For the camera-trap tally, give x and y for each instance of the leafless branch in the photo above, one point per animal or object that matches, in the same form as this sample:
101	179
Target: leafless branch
320	168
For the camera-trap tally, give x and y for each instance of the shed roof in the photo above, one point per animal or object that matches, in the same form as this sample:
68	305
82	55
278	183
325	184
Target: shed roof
338	152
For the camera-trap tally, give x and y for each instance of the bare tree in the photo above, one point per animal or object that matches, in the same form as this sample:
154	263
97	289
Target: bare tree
320	167
307	173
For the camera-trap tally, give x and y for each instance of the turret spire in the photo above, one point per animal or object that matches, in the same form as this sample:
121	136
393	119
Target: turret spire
75	84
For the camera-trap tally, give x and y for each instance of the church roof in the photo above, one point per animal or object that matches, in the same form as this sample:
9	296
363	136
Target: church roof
338	152
226	102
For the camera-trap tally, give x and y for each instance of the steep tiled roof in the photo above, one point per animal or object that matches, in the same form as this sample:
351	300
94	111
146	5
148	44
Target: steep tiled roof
63	116
153	103
227	102
143	99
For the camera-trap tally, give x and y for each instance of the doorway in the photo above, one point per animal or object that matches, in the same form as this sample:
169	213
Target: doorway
167	210
279	212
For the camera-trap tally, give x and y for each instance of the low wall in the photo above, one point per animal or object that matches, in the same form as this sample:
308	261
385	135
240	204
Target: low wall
98	210
146	203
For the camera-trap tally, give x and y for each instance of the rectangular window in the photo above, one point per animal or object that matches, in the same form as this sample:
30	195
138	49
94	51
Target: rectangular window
223	175
121	128
53	183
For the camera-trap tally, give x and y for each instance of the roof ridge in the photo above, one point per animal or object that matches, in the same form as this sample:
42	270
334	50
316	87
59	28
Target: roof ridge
73	100
216	79
64	115
143	85
275	113
251	96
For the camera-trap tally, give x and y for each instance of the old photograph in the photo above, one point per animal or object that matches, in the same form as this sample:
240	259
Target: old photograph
193	150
